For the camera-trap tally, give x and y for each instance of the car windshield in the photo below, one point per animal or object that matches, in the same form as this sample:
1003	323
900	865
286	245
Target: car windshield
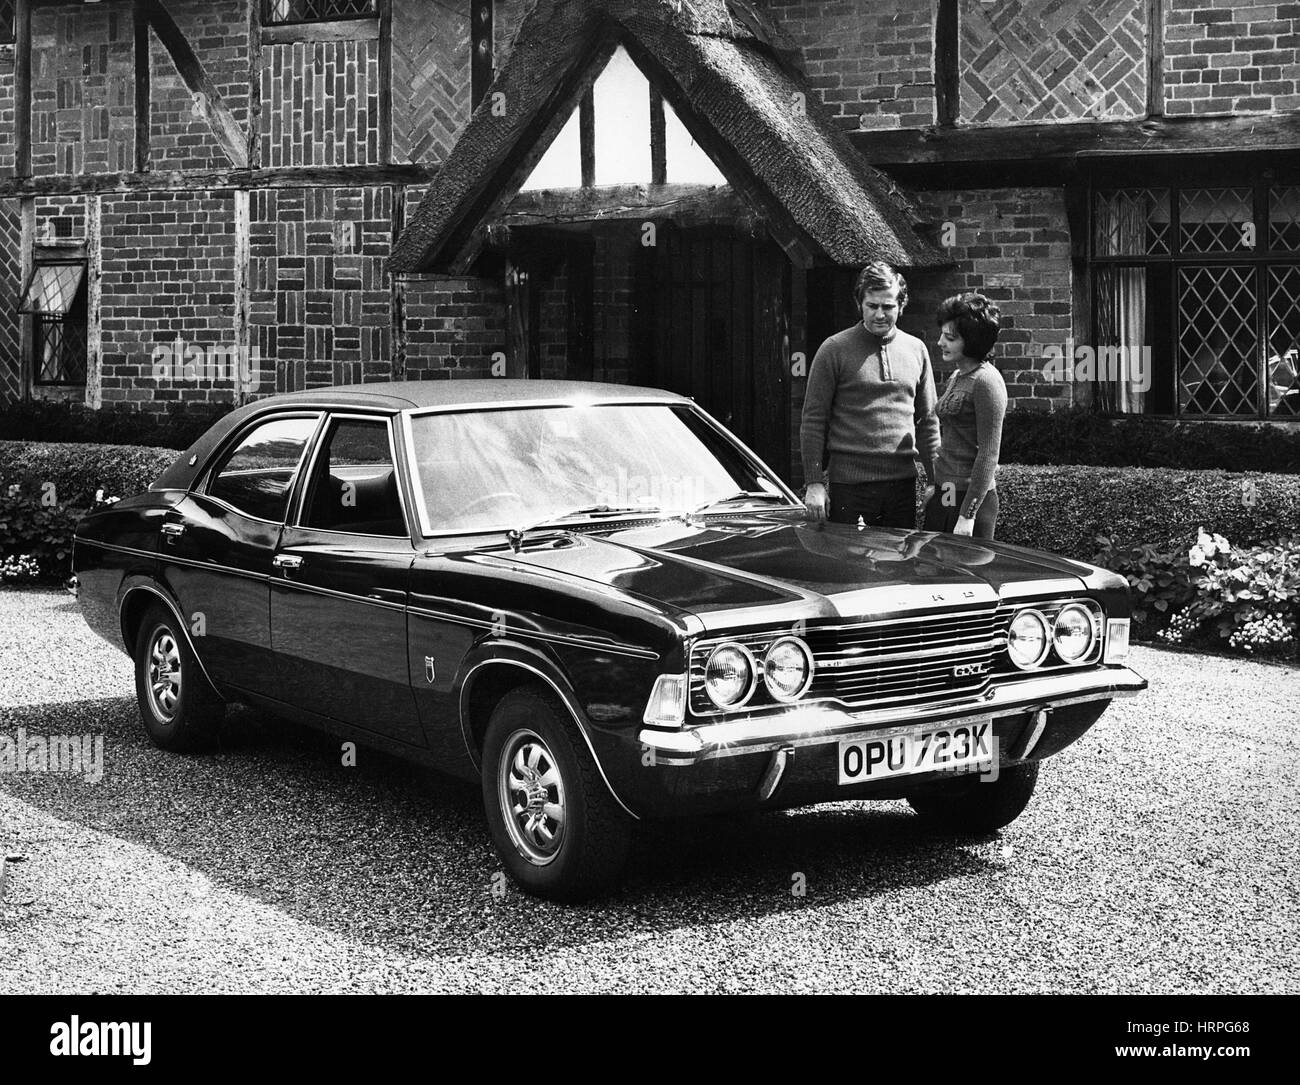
488	469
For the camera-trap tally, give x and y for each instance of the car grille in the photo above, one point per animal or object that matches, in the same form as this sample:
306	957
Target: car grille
911	660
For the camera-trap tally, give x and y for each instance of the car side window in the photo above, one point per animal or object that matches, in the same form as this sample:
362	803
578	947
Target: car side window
353	486
257	475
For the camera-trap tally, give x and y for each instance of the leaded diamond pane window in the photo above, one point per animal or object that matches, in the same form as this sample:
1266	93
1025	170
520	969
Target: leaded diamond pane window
1282	357
1131	222
1216	220
6	22
276	12
1218	346
1284	218
1196	300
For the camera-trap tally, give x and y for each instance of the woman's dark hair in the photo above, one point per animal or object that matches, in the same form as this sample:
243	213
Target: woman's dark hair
879	276
977	322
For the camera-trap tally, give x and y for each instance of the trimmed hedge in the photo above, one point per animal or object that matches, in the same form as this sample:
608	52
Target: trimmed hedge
1080	437
1064	509
48	420
78	470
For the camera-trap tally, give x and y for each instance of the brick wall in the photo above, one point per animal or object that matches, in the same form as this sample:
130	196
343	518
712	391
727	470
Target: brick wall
453	326
1231	60
320	104
1012	245
180	137
60	218
83	87
431	84
872	66
612	327
168	271
6	109
320	305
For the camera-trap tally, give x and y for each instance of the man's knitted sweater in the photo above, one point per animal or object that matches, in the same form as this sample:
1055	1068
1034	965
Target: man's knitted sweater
870	404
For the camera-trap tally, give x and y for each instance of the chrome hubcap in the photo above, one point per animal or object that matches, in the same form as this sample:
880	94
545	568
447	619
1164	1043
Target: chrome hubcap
164	675
531	793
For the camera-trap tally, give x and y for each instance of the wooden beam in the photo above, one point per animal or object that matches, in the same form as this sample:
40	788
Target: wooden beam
397	285
22	88
1088	139
363	29
385	80
587	136
254	83
143	105
94	304
947	71
685	204
1155	58
658	138
243	260
215	180
225	128
518	311
482	44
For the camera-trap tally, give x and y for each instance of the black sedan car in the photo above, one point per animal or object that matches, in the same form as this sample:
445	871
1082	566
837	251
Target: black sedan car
597	602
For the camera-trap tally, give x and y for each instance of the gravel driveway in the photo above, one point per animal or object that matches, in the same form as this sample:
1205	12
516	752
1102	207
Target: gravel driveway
1159	855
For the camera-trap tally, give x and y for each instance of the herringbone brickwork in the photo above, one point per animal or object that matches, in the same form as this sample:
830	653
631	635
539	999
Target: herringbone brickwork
1052	60
431	84
10	284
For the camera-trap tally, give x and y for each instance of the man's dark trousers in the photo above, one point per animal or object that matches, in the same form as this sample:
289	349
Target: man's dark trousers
880	504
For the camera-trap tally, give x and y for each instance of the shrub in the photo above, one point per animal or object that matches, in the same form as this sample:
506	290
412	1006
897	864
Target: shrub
78	471
36	535
1245	599
1081	437
1064	509
47	420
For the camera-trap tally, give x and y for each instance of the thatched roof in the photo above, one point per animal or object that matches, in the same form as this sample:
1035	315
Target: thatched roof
734	82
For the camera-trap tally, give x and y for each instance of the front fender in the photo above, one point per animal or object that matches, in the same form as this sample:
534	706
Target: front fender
501	652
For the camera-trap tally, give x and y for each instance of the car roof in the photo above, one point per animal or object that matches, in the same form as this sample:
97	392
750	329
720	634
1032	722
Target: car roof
402	396
405	395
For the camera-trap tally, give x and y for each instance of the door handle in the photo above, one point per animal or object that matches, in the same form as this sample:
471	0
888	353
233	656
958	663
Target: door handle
173	531
287	561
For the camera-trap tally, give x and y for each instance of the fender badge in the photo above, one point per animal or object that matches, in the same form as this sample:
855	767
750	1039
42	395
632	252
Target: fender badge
429	672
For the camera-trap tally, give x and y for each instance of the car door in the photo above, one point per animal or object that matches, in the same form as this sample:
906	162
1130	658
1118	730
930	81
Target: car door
339	594
219	542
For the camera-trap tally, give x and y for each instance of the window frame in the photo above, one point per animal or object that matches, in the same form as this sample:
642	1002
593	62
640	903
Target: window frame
319	442
77	314
268	19
221	456
1178	178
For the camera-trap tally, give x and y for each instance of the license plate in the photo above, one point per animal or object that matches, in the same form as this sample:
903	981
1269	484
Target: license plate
965	746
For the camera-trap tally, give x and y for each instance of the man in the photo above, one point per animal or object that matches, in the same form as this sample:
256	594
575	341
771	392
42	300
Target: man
870	405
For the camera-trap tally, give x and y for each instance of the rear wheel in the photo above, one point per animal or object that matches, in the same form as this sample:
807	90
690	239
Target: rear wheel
556	827
180	710
976	805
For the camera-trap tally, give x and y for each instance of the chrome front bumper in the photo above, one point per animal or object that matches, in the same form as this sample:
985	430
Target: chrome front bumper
813	725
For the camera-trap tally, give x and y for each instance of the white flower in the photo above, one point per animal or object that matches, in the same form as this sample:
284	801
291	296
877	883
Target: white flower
1196	557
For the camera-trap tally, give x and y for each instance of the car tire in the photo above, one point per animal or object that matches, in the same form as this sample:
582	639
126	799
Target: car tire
557	828
975	806
180	709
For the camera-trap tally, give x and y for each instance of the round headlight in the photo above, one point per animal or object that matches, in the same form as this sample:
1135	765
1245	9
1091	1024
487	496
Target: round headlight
1028	639
788	668
729	675
1073	633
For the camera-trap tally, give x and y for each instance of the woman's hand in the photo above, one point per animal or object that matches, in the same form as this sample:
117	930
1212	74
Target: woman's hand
965	526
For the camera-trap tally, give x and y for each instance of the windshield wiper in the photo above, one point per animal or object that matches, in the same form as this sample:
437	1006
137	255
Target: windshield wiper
515	536
741	496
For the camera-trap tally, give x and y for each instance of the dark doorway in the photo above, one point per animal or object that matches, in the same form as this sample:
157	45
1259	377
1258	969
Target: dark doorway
711	323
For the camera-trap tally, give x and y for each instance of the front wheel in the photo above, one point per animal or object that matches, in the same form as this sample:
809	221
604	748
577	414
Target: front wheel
978	806
557	828
180	710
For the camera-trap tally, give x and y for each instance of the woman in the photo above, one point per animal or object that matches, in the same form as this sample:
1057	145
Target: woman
970	413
